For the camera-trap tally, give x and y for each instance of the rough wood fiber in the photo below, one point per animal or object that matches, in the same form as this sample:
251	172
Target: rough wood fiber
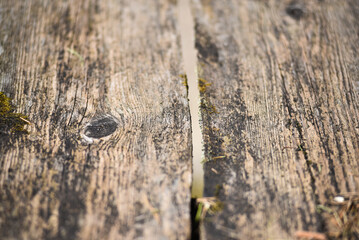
109	150
284	136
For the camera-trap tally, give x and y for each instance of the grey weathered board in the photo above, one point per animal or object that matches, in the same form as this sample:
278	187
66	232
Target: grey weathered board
284	138
108	154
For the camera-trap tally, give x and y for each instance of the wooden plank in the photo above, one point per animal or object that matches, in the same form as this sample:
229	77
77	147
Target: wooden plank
108	154
280	119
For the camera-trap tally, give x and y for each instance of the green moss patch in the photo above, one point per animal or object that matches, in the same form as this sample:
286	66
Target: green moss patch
10	121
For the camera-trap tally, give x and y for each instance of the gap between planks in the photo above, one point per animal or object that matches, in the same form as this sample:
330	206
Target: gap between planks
190	64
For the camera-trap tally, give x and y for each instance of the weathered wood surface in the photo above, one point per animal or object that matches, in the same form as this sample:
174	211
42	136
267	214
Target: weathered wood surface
284	137
108	152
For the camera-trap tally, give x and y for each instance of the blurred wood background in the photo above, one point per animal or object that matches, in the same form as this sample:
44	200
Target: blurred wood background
108	150
283	139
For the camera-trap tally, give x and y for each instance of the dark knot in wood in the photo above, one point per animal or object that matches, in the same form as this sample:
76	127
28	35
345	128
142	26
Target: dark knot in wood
295	10
101	126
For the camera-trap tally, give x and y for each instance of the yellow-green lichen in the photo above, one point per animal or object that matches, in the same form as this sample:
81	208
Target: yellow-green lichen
208	107
185	80
10	121
203	84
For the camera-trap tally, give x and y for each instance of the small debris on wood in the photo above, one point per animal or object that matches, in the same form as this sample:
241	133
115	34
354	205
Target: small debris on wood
342	216
206	205
310	235
339	199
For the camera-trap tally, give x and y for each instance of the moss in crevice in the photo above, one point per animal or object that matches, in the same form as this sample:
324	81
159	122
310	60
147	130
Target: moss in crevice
185	80
10	121
206	104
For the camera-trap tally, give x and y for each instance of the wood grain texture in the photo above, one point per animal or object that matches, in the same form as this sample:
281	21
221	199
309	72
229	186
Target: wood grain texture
109	150
284	136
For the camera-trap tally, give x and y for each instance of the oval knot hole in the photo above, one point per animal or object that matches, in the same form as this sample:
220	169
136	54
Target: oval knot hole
101	126
295	10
